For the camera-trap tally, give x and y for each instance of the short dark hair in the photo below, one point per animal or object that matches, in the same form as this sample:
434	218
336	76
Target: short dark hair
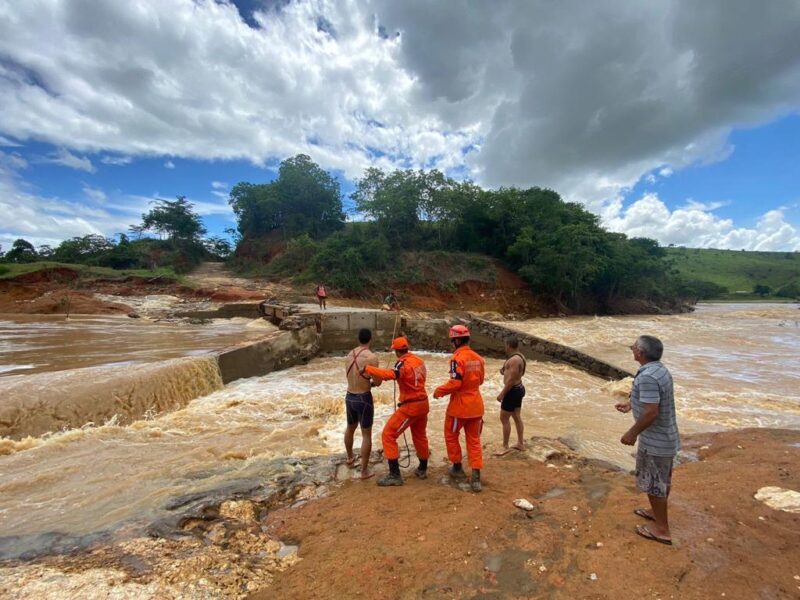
512	342
364	335
651	347
461	341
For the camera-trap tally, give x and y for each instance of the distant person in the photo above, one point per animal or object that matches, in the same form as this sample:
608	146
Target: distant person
465	409
390	302
510	397
358	402
322	296
653	403
412	411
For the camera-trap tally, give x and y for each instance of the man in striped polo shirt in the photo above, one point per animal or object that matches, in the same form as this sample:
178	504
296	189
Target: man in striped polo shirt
653	404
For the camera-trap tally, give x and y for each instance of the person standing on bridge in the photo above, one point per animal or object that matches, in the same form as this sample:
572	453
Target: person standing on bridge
652	401
358	402
465	409
412	411
510	397
322	296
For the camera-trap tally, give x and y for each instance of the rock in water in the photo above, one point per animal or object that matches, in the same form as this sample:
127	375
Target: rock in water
779	498
523	504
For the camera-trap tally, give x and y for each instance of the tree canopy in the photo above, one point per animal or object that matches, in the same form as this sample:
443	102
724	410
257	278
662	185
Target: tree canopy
175	219
303	199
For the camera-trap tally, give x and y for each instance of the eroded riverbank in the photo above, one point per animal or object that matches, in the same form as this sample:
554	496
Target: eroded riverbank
100	491
431	538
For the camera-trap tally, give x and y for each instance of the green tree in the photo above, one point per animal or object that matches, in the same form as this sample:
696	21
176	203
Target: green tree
762	290
174	219
218	247
395	202
22	251
303	199
83	250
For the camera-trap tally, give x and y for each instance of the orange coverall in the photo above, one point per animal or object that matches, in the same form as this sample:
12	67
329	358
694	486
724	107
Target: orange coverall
412	410
465	408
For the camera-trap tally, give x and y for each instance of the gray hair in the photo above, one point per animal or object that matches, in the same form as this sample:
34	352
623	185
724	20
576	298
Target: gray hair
651	347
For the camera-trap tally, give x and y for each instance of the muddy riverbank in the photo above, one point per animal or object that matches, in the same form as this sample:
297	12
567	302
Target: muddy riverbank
313	537
428	539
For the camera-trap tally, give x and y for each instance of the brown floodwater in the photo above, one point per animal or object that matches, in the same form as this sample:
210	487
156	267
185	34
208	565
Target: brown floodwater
732	367
37	343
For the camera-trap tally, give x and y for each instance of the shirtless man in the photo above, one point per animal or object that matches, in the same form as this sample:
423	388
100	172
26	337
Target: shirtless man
358	401
510	397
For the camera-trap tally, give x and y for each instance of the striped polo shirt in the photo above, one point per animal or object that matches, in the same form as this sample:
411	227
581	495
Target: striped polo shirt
653	385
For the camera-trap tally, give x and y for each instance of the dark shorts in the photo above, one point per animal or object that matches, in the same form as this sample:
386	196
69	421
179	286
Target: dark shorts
359	409
653	473
513	399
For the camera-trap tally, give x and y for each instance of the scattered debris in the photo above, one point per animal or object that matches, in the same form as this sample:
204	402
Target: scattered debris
779	499
523	504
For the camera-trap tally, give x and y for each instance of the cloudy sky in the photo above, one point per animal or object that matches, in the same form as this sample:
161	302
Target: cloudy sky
672	119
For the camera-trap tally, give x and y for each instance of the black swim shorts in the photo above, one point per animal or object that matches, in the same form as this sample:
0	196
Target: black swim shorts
359	409
513	399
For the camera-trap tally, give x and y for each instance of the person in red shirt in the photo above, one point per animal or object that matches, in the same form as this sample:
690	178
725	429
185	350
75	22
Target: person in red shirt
412	411
322	296
465	409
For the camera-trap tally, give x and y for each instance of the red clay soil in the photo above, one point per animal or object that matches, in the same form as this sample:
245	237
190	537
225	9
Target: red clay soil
430	539
54	291
508	294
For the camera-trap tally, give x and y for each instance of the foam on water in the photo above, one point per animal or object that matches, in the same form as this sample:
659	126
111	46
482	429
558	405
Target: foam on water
730	369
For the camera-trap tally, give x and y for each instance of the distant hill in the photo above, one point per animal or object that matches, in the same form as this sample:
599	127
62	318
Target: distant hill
740	271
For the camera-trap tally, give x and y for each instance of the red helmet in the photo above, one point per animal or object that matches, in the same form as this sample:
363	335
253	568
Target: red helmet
400	343
458	331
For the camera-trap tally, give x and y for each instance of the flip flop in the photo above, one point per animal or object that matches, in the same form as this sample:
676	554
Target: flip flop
640	512
503	452
643	531
364	477
352	464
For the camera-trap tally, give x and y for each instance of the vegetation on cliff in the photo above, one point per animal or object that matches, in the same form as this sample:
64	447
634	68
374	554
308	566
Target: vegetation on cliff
295	227
409	227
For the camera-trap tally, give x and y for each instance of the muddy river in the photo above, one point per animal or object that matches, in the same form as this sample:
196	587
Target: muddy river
732	364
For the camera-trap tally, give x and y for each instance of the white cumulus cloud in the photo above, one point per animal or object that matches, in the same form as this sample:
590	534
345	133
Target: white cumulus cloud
583	97
696	225
65	158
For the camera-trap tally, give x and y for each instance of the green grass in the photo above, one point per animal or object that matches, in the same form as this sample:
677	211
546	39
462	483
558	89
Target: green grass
738	271
8	270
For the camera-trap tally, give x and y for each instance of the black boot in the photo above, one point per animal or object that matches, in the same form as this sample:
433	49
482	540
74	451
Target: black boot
394	477
422	469
457	471
475	484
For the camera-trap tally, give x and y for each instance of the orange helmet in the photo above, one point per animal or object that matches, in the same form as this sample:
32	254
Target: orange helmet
458	331
400	343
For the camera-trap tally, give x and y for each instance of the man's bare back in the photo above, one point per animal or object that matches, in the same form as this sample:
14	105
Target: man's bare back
354	364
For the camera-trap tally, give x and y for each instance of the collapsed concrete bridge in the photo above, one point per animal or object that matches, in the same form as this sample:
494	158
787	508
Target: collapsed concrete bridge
336	330
304	332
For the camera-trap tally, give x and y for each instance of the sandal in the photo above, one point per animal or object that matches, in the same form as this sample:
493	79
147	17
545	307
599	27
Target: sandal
643	531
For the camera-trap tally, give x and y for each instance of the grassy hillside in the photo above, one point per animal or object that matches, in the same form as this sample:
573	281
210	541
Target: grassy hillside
8	270
738	271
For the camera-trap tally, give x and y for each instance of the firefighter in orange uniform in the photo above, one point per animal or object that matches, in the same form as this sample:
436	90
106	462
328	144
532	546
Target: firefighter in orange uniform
411	413
465	408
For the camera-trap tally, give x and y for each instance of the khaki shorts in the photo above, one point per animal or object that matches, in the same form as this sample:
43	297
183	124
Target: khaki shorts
653	473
